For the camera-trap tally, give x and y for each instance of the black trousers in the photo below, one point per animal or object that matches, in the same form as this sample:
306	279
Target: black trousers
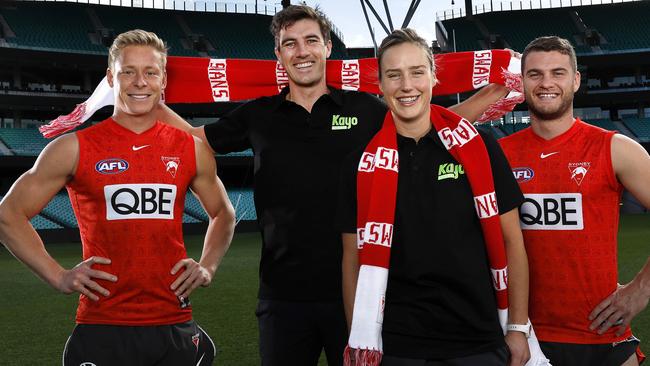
498	357
569	354
163	345
295	333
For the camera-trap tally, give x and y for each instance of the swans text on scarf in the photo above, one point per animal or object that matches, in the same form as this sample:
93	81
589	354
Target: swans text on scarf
350	75
218	80
281	76
500	278
481	70
486	205
376	233
459	136
384	159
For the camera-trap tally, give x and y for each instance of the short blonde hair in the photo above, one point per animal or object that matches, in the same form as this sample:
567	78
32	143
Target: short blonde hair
137	37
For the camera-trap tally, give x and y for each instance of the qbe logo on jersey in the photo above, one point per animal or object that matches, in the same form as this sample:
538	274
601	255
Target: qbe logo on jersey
559	211
140	201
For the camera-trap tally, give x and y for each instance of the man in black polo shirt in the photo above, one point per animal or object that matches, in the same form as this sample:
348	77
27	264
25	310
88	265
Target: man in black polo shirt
298	146
440	306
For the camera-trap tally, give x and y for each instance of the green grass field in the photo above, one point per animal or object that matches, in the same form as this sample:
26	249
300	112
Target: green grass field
36	320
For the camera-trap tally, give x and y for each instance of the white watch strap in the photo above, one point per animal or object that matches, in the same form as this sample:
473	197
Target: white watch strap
524	328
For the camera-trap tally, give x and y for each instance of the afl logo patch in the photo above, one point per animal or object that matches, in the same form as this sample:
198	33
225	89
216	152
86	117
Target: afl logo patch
523	175
111	166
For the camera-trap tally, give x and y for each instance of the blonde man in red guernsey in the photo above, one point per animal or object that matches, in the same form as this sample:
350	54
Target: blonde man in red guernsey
572	175
127	178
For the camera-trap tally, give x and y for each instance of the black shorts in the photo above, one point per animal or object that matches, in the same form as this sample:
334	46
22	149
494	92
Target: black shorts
498	357
108	345
608	354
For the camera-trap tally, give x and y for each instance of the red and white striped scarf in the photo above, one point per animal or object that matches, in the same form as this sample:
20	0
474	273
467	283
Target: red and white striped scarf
376	196
204	80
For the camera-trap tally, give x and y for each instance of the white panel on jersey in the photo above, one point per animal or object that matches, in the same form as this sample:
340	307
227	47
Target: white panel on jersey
140	201
552	211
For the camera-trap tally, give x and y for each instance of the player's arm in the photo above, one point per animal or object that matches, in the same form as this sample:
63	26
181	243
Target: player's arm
350	267
212	194
26	198
473	107
631	164
517	285
168	116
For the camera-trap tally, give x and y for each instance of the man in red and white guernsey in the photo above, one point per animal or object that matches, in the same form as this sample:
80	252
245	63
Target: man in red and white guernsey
572	175
127	178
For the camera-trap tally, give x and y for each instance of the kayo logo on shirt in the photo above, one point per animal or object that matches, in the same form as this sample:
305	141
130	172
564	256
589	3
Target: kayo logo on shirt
343	123
450	171
140	201
112	166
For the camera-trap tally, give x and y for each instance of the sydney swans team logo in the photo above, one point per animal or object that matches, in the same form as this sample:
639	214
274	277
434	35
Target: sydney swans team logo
579	171
111	166
171	164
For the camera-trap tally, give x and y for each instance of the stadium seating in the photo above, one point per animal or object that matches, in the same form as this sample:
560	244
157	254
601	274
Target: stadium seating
161	22
639	126
603	123
466	33
58	27
23	141
242	201
520	27
510	128
39	222
60	211
68	27
635	34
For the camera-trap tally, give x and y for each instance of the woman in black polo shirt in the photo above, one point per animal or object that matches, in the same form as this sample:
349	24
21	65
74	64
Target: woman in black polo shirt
440	306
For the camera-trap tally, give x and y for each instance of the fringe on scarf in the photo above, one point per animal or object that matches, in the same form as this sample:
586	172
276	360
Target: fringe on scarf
361	357
63	124
513	82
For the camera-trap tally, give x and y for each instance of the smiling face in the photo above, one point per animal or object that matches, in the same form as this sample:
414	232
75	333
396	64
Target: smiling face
406	82
550	83
138	78
303	53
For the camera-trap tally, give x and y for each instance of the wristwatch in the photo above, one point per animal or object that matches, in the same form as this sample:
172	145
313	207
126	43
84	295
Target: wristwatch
524	328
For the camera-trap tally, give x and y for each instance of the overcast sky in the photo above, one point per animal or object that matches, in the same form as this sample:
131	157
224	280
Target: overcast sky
347	15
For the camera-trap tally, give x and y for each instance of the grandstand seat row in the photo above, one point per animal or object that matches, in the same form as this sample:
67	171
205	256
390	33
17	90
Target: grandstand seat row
81	28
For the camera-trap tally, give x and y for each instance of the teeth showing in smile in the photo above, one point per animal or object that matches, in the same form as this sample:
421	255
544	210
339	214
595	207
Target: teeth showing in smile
304	64
139	96
407	99
547	95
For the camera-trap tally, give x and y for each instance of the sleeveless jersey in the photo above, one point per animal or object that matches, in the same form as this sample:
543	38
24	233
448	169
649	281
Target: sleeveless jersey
128	194
570	221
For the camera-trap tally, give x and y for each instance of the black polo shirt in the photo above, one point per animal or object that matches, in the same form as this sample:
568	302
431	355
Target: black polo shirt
297	161
440	302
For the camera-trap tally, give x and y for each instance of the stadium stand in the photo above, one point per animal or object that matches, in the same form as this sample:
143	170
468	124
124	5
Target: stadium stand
640	127
634	35
58	27
529	26
162	22
603	123
23	141
59	210
85	28
39	222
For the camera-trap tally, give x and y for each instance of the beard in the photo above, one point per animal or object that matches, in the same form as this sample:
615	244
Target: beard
549	114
